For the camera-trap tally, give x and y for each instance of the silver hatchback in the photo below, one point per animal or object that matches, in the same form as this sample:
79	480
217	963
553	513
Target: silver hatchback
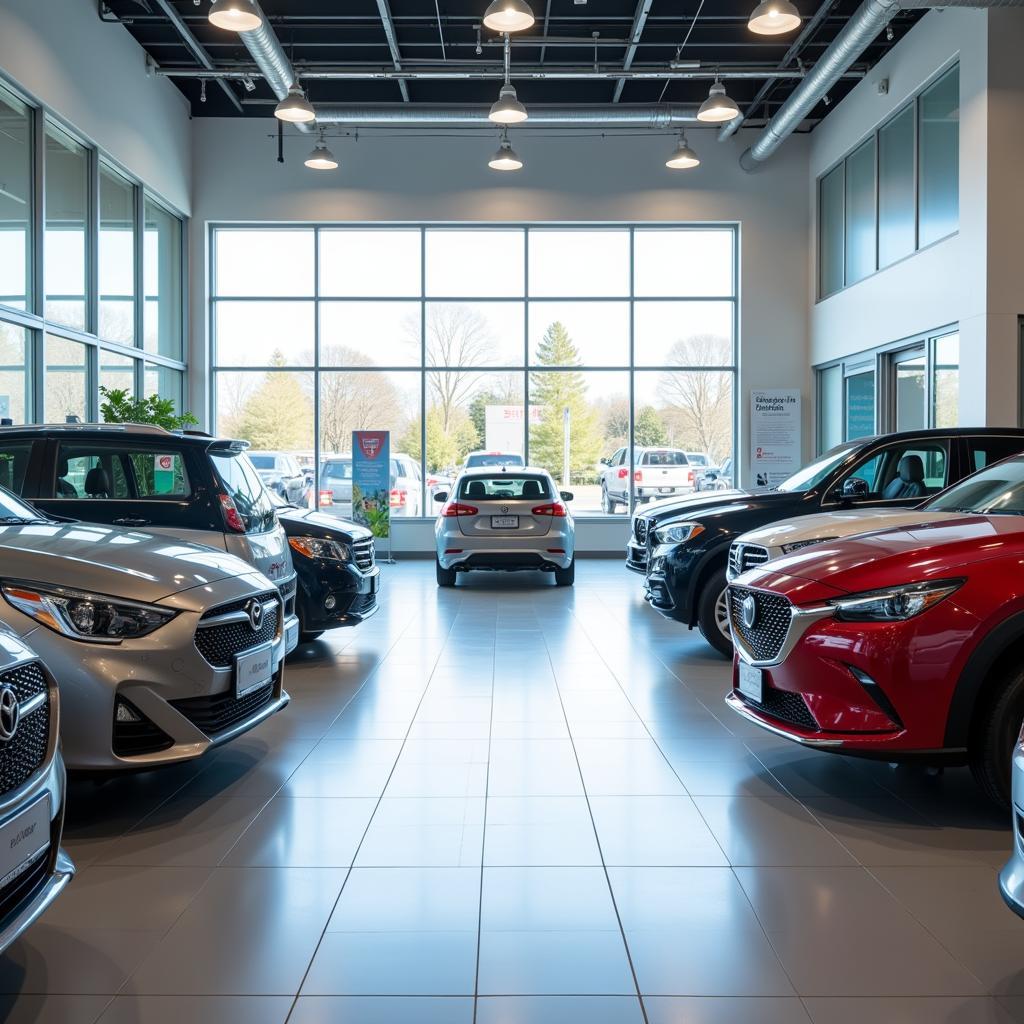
505	519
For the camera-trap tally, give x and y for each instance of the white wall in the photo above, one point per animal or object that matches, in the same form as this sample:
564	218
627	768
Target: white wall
94	76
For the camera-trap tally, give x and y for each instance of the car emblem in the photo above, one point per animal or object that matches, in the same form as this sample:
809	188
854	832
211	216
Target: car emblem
504	510
748	610
10	714
255	610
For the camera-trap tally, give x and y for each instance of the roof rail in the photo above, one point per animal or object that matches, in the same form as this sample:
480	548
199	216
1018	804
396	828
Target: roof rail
146	428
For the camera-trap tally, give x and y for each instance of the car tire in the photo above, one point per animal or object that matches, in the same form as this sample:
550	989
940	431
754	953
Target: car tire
990	752
445	577
712	615
566	577
609	506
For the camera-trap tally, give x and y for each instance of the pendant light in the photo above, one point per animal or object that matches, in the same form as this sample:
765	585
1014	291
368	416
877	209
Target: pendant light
683	157
718	107
774	18
235	15
506	158
508	16
321	159
507	109
295	108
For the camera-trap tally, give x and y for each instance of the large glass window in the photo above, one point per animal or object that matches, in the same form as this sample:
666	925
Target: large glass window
946	381
67	207
831	231
860	405
860	212
117	372
939	114
117	257
520	341
15	378
15	200
896	233
67	380
162	268
830	407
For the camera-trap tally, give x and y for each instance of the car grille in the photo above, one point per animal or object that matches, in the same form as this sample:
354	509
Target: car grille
288	592
745	556
19	889
362	552
23	756
640	528
219	644
784	706
764	640
220	711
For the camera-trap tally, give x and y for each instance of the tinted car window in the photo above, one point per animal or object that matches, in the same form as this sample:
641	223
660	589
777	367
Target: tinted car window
262	461
494	460
986	450
665	459
91	471
883	468
998	490
14	464
505	487
159	474
245	488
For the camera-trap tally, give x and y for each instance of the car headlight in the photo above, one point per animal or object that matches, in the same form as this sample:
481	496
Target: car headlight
788	549
679	533
894	604
321	547
82	616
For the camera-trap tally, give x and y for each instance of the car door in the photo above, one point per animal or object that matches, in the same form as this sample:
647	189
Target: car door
615	477
901	474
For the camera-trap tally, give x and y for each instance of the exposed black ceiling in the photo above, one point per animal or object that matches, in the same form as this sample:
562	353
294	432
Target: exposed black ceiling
327	34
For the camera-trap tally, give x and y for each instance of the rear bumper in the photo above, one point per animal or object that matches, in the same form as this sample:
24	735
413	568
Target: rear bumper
506	561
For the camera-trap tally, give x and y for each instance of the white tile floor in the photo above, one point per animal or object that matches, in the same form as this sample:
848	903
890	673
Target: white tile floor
515	804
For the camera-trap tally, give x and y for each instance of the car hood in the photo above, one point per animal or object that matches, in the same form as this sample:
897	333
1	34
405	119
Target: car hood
719	503
836	525
13	650
304	522
118	563
909	554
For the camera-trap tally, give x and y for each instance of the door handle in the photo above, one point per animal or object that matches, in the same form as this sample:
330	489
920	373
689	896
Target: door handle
130	521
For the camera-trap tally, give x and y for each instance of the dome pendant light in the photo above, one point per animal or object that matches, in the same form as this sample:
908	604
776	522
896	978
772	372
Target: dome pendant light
295	108
235	15
507	109
683	157
321	159
774	18
718	107
508	16
506	158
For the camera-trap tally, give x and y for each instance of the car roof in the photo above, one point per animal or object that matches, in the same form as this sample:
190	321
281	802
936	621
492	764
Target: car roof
144	430
488	471
927	432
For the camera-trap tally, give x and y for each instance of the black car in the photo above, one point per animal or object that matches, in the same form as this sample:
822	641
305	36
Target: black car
338	578
682	546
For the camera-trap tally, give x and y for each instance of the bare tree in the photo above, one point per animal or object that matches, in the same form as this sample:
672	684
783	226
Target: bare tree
357	400
702	399
457	336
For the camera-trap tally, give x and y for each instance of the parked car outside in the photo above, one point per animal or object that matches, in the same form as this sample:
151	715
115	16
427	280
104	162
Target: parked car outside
898	645
161	650
188	486
281	473
718	478
336	486
34	869
338	577
683	546
507	520
475	460
657	473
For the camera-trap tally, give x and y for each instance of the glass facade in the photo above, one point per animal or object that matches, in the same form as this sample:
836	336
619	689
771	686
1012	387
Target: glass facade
897	192
556	344
82	324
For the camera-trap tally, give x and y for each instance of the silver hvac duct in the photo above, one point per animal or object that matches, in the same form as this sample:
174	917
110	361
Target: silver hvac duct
661	116
863	26
266	50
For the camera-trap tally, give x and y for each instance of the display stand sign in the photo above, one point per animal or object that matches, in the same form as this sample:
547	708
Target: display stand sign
371	482
774	436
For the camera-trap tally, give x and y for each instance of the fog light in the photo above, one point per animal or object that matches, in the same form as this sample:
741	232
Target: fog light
329	602
124	712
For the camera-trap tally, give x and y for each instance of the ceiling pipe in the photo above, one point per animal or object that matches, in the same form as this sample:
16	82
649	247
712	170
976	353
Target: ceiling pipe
266	50
857	34
662	116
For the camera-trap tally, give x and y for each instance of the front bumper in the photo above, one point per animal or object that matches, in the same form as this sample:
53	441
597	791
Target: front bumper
354	595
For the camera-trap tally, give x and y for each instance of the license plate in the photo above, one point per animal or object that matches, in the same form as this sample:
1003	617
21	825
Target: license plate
254	669
24	839
504	522
291	638
751	682
665	490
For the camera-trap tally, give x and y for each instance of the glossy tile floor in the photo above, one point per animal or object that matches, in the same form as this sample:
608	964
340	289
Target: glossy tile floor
513	803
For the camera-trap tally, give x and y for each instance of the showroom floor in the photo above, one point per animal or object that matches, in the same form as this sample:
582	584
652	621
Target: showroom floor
513	803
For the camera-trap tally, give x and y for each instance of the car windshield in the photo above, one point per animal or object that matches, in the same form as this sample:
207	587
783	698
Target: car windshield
243	485
996	491
496	459
337	471
14	510
697	460
506	487
812	475
262	461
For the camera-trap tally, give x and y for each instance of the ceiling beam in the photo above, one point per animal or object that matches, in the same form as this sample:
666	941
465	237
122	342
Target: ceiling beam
643	10
389	32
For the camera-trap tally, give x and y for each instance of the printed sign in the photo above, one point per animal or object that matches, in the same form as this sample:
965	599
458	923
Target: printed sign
774	436
371	480
503	427
163	474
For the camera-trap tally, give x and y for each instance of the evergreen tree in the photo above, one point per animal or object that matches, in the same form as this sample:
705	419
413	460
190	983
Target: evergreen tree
279	415
649	431
562	396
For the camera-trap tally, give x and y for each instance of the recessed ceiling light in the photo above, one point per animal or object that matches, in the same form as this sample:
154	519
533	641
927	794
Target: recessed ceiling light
508	16
774	18
235	15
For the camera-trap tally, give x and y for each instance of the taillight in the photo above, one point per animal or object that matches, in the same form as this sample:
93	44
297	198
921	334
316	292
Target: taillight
556	509
232	520
326	498
689	476
623	472
398	498
453	509
638	476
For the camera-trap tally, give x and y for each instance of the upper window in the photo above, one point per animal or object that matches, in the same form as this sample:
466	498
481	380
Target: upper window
117	257
15	200
162	264
67	207
879	205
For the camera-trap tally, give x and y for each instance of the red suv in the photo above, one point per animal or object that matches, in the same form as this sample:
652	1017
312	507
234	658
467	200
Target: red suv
902	644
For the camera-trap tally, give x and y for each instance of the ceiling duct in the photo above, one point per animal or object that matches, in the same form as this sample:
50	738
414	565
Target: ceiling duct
857	34
661	116
266	50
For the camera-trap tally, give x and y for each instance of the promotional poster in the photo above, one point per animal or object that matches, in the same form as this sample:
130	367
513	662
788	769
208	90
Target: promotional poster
774	436
371	480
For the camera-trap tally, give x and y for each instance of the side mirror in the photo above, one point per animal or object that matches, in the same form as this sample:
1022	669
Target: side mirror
441	496
606	461
566	495
854	487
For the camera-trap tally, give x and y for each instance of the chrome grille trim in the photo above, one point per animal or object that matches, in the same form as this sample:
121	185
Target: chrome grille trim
801	619
745	556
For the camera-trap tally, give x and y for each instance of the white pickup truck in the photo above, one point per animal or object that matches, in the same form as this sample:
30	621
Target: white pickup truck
657	473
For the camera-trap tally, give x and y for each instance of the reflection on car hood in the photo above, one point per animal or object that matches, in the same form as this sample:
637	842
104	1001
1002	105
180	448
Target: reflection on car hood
119	563
717	503
12	649
834	525
304	522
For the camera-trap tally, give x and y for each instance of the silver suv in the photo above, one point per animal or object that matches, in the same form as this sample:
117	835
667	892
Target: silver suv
161	648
